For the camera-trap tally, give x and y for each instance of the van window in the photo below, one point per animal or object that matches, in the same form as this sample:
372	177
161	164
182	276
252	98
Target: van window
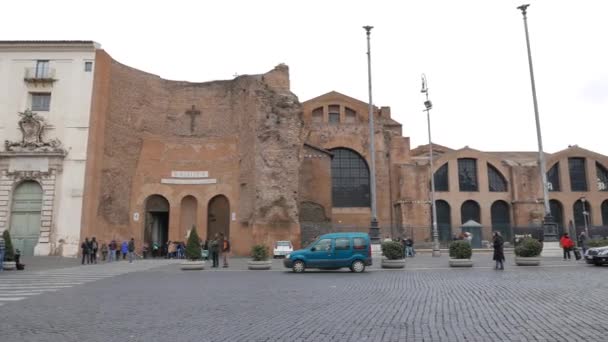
359	243
342	244
323	245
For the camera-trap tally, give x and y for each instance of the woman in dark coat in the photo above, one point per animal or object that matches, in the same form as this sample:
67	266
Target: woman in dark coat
499	254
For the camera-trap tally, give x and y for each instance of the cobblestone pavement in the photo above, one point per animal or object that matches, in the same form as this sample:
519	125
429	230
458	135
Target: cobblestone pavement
560	301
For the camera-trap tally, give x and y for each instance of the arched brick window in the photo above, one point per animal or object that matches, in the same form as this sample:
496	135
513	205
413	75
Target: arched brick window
582	213
467	174
350	179
602	177
444	220
441	178
553	178
496	181
470	211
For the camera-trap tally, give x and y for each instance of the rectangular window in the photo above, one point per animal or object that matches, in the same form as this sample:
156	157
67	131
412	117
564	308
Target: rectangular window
342	244
334	114
317	115
359	243
350	116
323	245
41	102
467	174
42	69
578	174
88	66
553	178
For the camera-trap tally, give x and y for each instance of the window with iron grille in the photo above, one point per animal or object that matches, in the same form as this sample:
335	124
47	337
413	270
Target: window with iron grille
441	178
580	208
605	213
444	220
41	102
501	219
334	114
470	211
553	178
496	182
467	174
578	174
350	179
602	177
557	212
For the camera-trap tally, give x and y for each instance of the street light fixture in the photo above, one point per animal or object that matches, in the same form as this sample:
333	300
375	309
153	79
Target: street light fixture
585	215
549	226
428	105
374	231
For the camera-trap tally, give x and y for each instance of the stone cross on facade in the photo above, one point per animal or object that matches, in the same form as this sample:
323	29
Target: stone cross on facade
192	113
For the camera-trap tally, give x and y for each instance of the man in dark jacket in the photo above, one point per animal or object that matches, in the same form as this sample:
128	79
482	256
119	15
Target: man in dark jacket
499	254
85	247
131	248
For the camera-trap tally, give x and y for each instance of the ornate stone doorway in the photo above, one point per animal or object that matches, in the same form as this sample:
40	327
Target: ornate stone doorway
156	229
218	217
25	217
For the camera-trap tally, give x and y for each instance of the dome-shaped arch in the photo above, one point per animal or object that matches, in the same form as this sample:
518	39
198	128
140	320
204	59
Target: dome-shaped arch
496	181
350	182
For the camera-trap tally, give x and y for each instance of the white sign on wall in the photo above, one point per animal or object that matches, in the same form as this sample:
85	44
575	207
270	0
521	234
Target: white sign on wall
233	216
189	174
135	217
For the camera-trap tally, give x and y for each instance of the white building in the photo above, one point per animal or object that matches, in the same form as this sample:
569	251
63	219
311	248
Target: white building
45	104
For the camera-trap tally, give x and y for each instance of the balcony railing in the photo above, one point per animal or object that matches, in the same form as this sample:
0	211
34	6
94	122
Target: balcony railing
39	75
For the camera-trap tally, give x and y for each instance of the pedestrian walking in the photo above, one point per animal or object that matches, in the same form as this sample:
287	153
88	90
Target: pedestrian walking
112	247
567	245
85	246
104	251
94	249
499	252
131	249
2	251
582	242
124	249
409	247
215	250
225	249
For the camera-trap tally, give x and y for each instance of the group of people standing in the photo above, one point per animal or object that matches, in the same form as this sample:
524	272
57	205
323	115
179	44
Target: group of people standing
567	244
111	251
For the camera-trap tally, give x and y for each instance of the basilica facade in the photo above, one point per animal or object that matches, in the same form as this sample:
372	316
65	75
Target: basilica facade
246	158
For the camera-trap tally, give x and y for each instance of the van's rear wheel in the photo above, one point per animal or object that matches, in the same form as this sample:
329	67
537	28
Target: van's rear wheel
358	266
298	266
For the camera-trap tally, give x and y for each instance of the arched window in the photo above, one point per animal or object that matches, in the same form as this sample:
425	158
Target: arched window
496	182
501	219
317	115
350	116
553	178
557	212
602	177
467	174
605	213
441	178
444	220
470	211
582	214
578	174
350	179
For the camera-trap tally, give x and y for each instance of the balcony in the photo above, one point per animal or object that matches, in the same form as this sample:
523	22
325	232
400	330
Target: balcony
39	75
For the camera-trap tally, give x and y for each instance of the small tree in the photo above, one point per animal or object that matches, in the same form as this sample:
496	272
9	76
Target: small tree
193	247
9	252
259	253
528	247
460	250
392	250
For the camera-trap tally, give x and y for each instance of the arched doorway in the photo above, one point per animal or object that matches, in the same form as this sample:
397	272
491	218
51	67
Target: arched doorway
501	219
25	217
582	215
444	221
218	217
557	212
188	215
605	213
156	229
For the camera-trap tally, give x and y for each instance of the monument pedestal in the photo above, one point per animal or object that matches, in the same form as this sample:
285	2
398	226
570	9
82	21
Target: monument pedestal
551	249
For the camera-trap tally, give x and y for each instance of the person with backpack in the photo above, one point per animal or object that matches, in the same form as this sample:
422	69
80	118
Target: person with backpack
225	249
567	245
94	249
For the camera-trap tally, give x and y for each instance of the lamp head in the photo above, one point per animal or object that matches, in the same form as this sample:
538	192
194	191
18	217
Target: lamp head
523	8
424	89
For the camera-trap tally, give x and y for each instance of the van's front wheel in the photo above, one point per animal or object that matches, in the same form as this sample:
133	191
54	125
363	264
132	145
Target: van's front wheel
298	266
357	266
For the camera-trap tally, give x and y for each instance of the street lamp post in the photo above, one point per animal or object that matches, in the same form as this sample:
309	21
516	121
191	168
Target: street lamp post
548	225
374	231
585	216
428	105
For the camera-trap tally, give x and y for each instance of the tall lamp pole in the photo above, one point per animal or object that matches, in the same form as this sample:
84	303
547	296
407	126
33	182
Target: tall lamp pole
585	217
548	225
374	231
428	105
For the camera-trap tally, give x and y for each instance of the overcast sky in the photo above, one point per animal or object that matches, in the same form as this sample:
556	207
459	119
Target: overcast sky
473	53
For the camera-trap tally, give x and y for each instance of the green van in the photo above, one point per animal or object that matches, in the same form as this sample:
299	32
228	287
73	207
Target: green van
333	251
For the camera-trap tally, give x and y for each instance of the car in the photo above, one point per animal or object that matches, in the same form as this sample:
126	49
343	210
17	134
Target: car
282	248
597	256
333	251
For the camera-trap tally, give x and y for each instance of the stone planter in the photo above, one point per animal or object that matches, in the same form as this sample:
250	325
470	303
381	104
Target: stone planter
195	265
9	265
527	261
399	263
259	265
461	263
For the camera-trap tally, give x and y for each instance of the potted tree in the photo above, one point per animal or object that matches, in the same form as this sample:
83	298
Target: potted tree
460	254
9	253
194	254
259	258
527	252
393	255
